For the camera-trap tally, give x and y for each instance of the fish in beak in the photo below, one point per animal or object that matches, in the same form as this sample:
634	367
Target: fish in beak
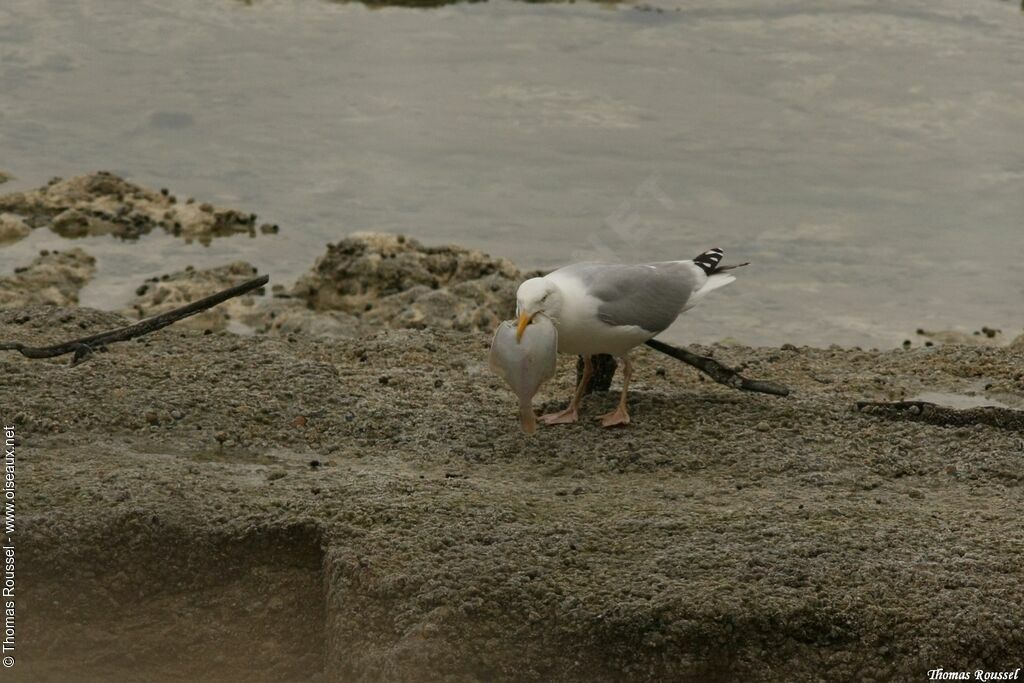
525	364
524	320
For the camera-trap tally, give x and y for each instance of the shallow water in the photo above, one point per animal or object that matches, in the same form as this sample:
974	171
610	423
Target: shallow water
867	157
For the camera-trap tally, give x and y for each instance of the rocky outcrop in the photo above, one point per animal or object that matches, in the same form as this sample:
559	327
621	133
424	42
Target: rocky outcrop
54	277
12	228
102	203
364	282
166	292
394	281
277	316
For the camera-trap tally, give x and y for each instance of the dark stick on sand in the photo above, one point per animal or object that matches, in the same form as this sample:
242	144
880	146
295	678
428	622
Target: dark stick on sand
718	372
604	369
86	345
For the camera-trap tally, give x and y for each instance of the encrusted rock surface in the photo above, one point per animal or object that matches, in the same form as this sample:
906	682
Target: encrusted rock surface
12	228
346	494
172	290
302	509
252	313
102	203
54	277
396	281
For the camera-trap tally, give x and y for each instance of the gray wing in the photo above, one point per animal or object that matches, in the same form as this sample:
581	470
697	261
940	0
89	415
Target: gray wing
650	296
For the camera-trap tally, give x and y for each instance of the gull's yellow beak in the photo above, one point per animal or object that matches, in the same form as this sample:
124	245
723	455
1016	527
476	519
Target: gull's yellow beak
524	320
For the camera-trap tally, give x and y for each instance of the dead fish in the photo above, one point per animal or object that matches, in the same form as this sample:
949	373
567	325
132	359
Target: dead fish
525	364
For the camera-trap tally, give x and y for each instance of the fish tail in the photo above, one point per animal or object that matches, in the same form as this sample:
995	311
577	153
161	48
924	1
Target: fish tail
527	419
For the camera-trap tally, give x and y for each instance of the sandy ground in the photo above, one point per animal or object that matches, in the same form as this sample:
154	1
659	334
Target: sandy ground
343	493
292	508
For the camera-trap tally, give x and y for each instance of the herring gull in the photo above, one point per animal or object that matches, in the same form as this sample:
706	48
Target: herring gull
610	308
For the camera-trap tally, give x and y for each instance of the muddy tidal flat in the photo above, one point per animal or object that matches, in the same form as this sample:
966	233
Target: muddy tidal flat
325	482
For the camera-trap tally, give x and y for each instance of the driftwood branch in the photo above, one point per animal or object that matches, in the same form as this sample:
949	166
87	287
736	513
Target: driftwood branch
718	372
604	370
932	413
86	345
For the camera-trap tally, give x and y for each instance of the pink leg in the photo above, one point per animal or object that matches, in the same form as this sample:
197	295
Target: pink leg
571	414
620	416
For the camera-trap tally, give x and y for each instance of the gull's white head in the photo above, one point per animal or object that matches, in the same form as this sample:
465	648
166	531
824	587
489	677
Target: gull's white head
537	295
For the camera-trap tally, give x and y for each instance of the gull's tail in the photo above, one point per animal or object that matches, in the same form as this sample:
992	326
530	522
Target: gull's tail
710	262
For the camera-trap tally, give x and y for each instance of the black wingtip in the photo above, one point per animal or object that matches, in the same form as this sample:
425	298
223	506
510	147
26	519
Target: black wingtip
709	260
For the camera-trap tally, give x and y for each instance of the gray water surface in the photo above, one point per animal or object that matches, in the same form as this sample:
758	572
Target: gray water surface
867	157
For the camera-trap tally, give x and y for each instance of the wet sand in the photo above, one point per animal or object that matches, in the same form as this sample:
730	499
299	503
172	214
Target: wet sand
353	500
